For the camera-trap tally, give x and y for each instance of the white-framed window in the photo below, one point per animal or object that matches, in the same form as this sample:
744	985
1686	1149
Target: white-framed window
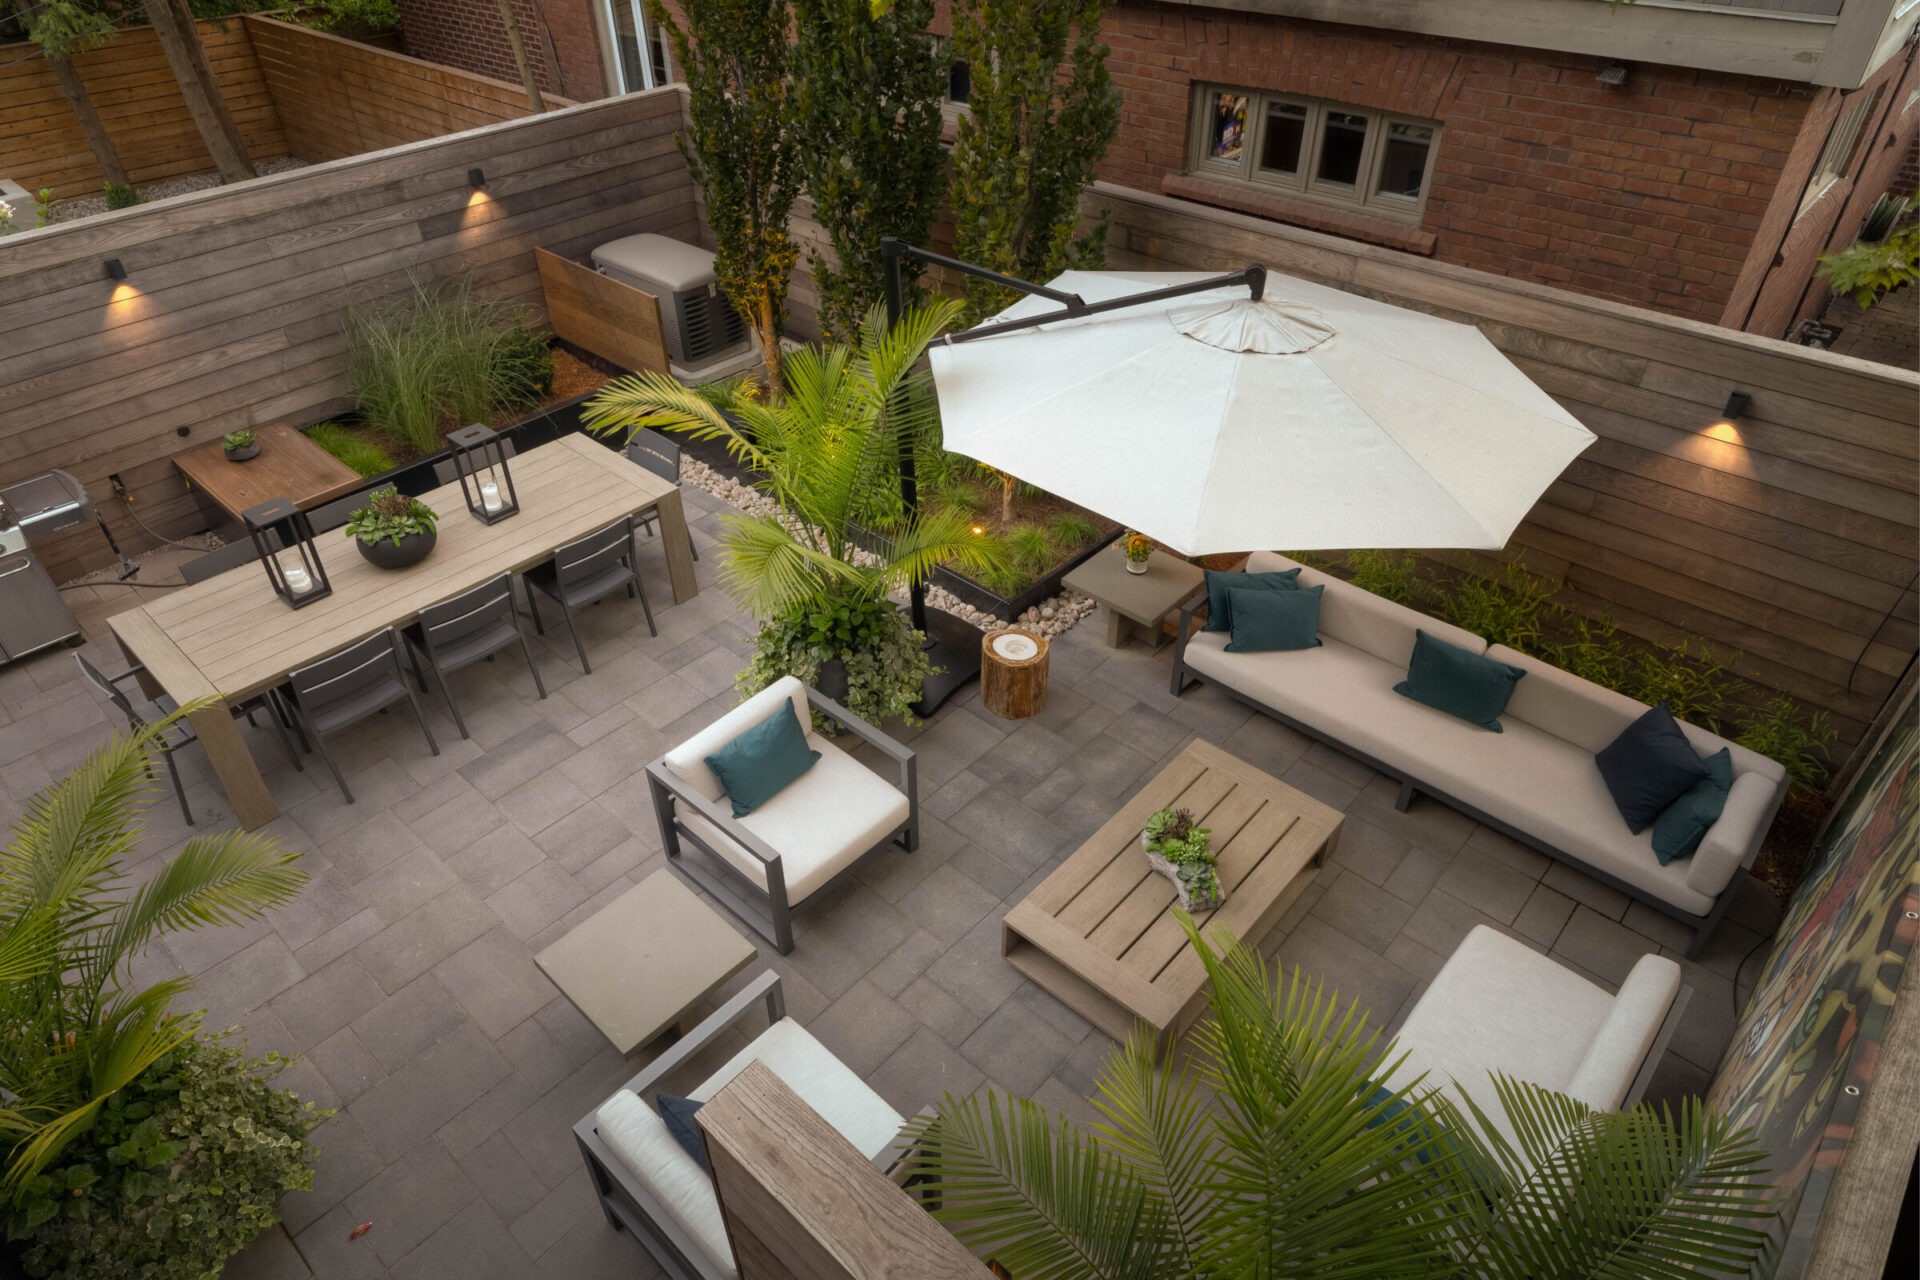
1834	157
1322	150
639	51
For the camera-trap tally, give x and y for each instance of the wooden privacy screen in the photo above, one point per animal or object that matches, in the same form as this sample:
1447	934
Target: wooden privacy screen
230	315
1788	537
341	98
613	320
139	101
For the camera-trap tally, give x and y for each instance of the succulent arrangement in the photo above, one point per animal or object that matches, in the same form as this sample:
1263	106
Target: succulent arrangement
1178	848
240	445
390	515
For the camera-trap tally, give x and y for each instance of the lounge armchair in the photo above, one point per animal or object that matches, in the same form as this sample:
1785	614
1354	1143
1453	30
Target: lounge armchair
802	841
650	1186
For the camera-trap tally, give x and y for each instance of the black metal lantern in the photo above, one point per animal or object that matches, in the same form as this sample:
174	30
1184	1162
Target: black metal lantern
480	460
299	579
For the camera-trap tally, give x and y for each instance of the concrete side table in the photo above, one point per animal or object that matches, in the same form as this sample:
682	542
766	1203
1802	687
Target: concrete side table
1134	604
639	965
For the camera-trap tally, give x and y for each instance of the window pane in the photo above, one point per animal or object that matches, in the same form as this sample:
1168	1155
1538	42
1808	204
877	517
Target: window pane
1403	165
1227	126
1280	145
627	42
1342	139
959	82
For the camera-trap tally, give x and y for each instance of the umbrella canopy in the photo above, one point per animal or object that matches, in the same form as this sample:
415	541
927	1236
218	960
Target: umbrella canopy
1311	419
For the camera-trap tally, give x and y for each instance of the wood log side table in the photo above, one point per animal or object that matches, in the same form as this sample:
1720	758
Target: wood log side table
1013	673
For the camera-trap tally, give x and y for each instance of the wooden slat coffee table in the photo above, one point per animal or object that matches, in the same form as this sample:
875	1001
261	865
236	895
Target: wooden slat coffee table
1099	933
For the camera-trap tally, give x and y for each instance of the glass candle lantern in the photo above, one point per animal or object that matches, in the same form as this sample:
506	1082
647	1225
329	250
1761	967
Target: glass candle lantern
283	538
480	461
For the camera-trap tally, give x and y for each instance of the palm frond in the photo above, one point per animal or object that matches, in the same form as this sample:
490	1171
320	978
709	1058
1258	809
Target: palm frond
1158	1126
766	569
940	537
1034	1192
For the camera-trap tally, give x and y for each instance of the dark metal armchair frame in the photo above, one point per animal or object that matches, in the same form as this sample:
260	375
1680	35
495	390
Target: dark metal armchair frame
670	792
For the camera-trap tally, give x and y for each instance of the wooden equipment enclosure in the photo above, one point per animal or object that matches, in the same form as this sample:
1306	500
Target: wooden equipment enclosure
1098	934
801	1203
597	313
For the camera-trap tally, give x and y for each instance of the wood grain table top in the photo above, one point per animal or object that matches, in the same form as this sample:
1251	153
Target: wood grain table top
289	466
231	634
1101	928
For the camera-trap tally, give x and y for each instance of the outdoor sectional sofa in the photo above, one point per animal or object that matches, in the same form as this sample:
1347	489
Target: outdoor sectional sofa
1536	780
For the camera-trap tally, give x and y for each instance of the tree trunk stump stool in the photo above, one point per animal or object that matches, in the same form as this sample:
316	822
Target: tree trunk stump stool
1013	673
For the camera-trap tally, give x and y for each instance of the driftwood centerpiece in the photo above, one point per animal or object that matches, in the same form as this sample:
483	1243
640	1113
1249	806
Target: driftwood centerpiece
1177	848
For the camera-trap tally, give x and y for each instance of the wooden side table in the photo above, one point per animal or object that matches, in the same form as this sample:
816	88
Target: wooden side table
1134	604
1013	673
289	466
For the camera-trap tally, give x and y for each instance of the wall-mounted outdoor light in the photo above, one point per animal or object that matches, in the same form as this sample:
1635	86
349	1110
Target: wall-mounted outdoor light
476	178
1736	407
115	269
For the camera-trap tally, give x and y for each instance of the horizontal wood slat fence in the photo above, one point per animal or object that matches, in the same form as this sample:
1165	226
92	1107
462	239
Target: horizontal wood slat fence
139	101
231	313
1788	537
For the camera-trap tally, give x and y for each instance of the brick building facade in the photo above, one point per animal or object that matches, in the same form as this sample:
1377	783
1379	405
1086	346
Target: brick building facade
1687	160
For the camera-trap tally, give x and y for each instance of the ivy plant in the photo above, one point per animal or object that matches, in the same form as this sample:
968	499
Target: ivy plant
886	664
867	91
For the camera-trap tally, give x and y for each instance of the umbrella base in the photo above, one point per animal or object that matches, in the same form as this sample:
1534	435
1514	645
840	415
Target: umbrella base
953	644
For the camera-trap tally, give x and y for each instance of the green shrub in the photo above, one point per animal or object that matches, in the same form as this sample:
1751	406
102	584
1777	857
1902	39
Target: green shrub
522	367
1510	608
1030	549
1592	649
1781	730
122	196
958	493
1071	530
1391	575
886	666
180	1171
351	447
354	15
1688	678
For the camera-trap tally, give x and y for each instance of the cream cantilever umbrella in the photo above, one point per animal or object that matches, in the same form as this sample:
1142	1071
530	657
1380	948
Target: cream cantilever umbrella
1312	418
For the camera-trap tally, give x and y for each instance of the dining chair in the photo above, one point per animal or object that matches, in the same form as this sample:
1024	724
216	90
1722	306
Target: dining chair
231	556
460	631
349	686
582	572
335	514
178	734
659	453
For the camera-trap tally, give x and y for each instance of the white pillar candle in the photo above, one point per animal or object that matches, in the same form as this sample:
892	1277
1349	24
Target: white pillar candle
298	580
490	496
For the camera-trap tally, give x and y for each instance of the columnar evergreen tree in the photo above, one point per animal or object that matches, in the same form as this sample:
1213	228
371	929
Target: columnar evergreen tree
1043	112
868	88
739	146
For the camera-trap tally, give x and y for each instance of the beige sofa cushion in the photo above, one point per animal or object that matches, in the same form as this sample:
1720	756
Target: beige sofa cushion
640	1141
688	761
823	1082
1622	1043
1364	620
818	824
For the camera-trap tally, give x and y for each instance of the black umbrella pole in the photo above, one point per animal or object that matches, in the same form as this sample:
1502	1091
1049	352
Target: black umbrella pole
892	251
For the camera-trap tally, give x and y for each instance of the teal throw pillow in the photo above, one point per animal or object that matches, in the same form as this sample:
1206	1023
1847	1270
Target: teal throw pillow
1267	620
1447	678
1649	766
1220	608
677	1114
1681	826
755	766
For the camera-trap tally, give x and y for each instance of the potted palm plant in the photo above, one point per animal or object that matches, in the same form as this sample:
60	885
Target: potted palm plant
821	596
240	446
393	531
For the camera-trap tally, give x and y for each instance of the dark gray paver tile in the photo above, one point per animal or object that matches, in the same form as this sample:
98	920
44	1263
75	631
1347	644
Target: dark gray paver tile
946	904
1021	1047
347	1161
863	1027
1369	850
1600	946
1359	909
1585	890
906	962
473	1245
322	1003
1488	883
410	1200
1356	973
412	945
922	1071
347	1066
1544	916
402	1111
271	1256
411	1021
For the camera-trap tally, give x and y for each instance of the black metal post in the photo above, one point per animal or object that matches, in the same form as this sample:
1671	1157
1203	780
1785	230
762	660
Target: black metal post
892	250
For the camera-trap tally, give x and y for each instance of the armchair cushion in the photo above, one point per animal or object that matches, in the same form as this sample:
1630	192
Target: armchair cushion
764	760
818	825
823	1082
667	1173
1734	838
688	761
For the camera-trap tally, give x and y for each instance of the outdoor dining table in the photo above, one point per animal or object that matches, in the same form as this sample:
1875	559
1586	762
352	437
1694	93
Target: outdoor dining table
230	637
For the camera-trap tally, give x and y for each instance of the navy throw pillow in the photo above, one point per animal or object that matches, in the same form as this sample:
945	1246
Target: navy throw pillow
1649	766
1681	826
1264	621
677	1114
758	764
1220	608
1470	686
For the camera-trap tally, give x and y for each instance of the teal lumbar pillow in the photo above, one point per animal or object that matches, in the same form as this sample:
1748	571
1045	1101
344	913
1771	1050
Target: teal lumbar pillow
1447	678
1264	621
1220	608
758	764
1681	826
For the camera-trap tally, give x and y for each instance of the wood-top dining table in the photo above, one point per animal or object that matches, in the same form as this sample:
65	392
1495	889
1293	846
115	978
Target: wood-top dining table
231	638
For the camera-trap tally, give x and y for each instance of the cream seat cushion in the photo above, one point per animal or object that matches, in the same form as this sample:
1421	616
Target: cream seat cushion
660	1164
823	1082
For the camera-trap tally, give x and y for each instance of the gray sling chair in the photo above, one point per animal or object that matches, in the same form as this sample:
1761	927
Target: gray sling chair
346	688
461	631
660	454
582	572
179	733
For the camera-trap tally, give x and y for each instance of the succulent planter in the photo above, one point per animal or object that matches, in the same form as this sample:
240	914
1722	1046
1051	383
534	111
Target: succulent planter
244	454
409	551
1189	900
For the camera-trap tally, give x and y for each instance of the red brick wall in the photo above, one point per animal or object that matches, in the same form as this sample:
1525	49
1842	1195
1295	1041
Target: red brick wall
1650	193
562	43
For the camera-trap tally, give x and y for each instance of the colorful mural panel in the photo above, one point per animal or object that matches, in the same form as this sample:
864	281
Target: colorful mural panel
1803	1054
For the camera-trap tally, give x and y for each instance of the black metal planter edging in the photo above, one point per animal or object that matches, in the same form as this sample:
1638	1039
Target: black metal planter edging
537	428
